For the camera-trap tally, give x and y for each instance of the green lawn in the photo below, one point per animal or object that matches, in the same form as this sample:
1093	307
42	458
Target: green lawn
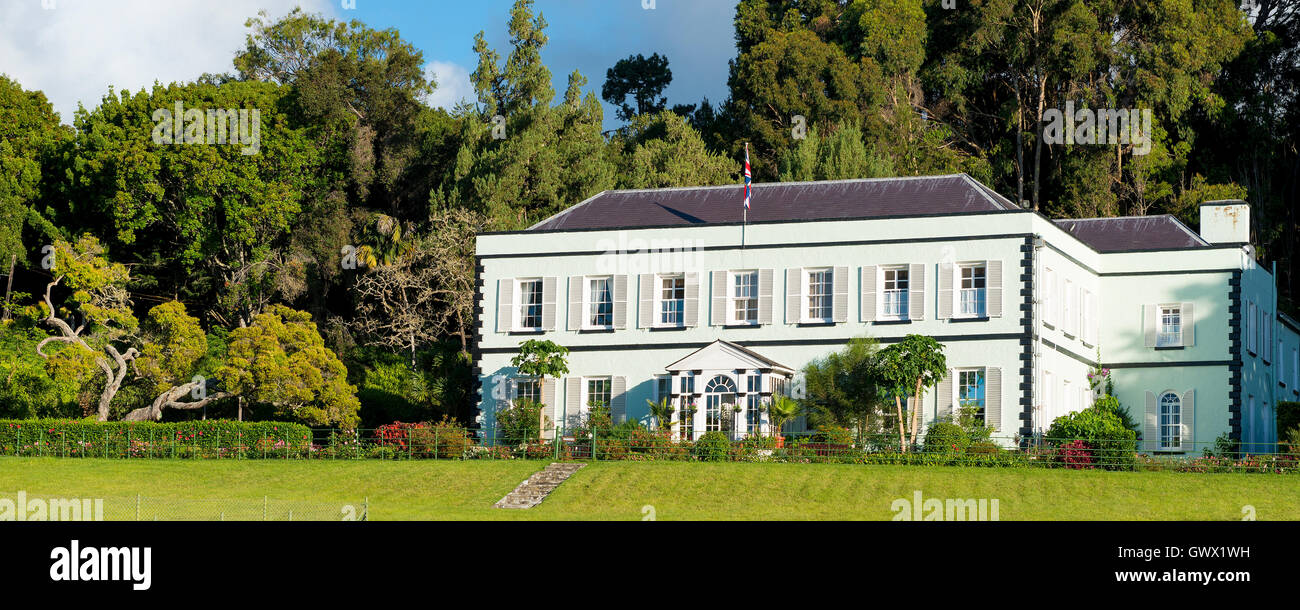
676	490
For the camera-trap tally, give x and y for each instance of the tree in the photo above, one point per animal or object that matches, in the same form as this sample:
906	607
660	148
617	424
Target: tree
908	368
782	410
663	150
661	411
30	134
643	78
541	359
281	360
839	155
174	344
842	387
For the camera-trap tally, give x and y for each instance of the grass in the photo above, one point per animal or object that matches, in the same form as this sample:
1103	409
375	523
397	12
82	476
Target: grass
677	490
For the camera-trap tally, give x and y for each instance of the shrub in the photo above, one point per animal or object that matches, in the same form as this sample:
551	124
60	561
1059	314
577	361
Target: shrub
521	422
713	446
836	435
204	438
944	440
443	440
1115	446
1075	454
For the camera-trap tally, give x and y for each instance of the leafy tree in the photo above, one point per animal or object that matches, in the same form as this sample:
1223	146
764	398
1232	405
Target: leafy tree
663	150
908	368
541	359
842	387
643	78
782	410
30	135
174	344
838	155
661	411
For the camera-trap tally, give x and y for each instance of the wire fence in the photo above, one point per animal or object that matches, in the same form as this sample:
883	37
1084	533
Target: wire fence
22	506
638	443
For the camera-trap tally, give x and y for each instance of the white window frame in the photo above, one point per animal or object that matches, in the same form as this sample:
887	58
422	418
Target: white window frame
1049	300
518	382
660	301
1169	338
1176	423
1086	315
585	407
957	390
1069	311
1250	327
733	299
829	295
588	305
519	317
901	294
978	295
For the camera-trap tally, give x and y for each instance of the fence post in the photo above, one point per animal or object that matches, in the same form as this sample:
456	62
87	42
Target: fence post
365	509
218	443
436	454
40	444
137	507
128	442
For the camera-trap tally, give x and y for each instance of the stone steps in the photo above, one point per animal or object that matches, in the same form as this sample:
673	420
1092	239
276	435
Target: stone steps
531	492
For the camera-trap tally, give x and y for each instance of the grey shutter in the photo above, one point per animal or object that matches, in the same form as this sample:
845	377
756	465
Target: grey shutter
993	398
840	304
916	291
645	313
1151	427
718	310
691	308
1189	325
993	280
943	396
765	277
867	279
793	295
1187	417
505	304
1150	315
945	291
572	400
618	399
548	303
575	303
552	407
620	302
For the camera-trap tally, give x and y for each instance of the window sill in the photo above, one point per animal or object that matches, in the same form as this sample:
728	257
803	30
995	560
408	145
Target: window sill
891	322
743	325
816	323
596	330
969	319
668	328
526	331
1049	325
1165	348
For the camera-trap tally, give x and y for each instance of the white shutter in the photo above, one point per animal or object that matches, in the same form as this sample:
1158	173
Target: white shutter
1047	302
552	407
993	398
618	399
916	291
691	308
765	280
993	279
793	295
945	291
1189	325
646	306
718	312
867	279
572	400
505	304
1094	322
548	303
575	302
840	304
1187	417
1150	317
1151	427
943	393
620	302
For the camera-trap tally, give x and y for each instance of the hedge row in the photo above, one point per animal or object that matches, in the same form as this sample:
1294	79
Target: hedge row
205	438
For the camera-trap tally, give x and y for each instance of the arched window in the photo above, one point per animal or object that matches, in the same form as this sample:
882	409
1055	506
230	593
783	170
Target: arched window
1171	421
719	392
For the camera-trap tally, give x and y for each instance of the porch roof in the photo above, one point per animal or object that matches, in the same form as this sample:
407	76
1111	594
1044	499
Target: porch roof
725	355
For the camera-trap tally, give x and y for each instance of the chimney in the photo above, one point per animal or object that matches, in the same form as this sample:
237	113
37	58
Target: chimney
1225	221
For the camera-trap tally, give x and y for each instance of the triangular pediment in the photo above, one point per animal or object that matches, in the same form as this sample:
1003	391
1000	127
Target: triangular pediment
724	355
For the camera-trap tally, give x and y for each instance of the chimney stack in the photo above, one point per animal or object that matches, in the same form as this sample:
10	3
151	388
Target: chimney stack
1225	221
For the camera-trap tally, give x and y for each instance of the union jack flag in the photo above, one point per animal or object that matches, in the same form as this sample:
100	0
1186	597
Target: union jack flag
749	189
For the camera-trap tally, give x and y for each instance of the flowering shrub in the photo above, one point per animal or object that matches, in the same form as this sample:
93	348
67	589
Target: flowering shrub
205	438
1075	454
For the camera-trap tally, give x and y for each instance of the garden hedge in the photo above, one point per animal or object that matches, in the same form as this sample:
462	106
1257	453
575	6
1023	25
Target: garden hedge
205	438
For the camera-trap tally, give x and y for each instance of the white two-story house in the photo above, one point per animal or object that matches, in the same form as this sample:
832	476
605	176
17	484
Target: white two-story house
665	293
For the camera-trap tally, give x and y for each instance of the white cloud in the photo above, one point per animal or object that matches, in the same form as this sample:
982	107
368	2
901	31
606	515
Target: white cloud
76	50
453	84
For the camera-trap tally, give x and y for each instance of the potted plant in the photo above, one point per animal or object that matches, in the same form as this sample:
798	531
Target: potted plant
782	410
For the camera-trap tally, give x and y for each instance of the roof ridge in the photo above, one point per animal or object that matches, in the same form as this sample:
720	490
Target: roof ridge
787	183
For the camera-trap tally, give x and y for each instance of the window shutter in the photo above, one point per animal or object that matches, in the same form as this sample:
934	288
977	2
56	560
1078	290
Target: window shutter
572	400
1046	302
916	291
765	277
618	399
1150	317
551	408
944	393
793	295
1187	417
867	278
620	302
993	398
945	291
1189	325
505	304
718	312
645	313
1151	429
575	302
994	283
1093	322
691	307
840	304
548	303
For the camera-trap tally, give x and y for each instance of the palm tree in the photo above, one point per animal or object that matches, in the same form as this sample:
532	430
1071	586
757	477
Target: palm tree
782	410
661	411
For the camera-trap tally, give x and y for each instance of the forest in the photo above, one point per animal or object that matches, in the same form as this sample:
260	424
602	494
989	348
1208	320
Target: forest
326	274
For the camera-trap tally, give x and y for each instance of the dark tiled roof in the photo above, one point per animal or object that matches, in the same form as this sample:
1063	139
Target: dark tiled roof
1132	233
776	202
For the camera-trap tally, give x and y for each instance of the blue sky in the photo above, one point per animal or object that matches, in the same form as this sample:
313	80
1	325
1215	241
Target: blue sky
75	50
